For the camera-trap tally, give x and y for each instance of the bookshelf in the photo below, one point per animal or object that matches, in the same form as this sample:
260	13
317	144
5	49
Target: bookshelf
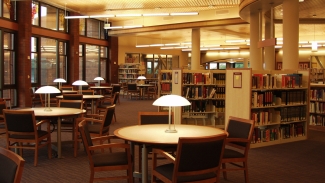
317	107
317	75
278	102
128	72
205	89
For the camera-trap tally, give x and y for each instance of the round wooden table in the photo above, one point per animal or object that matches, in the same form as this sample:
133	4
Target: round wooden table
142	87
57	112
155	134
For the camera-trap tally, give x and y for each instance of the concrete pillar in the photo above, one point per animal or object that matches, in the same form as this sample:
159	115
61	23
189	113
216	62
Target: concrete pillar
196	53
269	51
256	62
290	34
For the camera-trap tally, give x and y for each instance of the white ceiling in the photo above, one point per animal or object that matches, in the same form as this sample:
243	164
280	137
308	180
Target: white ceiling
178	29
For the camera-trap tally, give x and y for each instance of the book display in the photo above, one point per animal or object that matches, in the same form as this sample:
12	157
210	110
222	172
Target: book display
206	92
279	105
317	107
205	89
128	72
317	76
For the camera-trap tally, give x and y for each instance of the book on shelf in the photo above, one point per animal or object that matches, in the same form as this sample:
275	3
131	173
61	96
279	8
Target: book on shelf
213	91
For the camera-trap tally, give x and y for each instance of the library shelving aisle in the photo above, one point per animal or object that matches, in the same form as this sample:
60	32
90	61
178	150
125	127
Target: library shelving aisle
317	107
278	102
128	72
205	89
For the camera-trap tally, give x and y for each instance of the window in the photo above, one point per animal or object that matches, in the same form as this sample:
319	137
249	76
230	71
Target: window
9	9
92	62
48	61
34	59
48	17
8	89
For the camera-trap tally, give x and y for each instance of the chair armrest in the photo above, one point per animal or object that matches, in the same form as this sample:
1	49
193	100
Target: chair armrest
111	145
164	154
42	122
93	120
107	137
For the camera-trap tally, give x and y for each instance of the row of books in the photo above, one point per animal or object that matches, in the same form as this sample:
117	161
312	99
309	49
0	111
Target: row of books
196	78
317	107
166	87
219	78
318	120
123	76
166	76
205	106
289	114
262	117
283	132
198	92
131	66
272	98
268	81
317	94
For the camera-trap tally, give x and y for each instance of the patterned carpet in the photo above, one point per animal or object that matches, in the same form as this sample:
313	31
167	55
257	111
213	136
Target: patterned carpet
293	162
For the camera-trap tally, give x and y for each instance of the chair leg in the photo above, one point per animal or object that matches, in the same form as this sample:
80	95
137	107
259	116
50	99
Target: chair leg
36	154
245	172
224	173
91	179
49	147
114	117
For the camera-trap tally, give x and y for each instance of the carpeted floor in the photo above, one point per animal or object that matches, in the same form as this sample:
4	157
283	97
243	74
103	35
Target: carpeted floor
301	161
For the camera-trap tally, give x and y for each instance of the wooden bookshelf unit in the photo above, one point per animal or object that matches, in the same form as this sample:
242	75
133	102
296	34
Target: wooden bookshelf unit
278	103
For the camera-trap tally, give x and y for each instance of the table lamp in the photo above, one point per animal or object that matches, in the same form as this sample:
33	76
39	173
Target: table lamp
141	78
80	83
47	90
99	79
169	101
60	81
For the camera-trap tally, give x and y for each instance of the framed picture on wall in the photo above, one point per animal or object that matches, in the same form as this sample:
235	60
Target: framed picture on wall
278	66
304	65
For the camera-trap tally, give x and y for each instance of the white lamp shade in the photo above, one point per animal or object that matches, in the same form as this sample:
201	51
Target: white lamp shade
47	89
142	77
99	78
59	80
171	100
80	82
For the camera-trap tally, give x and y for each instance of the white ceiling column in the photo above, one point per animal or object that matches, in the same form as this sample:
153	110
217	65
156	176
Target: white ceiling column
195	54
290	34
269	51
256	60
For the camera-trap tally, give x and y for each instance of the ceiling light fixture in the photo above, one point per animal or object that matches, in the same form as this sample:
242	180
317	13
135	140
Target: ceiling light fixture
75	17
101	16
155	14
128	15
184	13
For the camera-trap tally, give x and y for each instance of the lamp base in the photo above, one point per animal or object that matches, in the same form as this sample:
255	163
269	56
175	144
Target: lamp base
171	131
47	109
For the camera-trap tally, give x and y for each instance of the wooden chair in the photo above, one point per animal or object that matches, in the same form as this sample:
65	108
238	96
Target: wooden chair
87	92
124	88
68	124
132	90
190	163
238	142
87	104
69	88
23	132
147	118
115	88
36	100
151	92
99	126
106	161
3	105
105	102
11	165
